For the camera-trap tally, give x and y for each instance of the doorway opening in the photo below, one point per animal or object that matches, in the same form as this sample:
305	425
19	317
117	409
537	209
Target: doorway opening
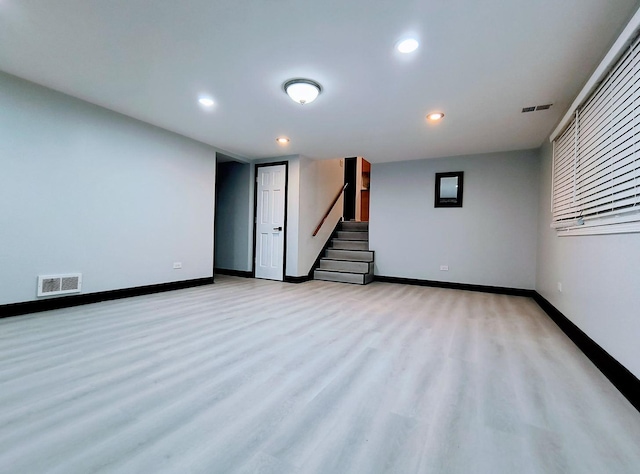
357	173
233	219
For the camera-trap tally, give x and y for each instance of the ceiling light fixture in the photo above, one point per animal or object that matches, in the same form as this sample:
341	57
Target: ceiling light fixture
302	91
282	140
435	116
206	101
408	46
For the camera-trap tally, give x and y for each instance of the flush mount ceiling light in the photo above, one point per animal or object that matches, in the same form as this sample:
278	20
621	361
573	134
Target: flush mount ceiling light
206	101
282	140
435	116
407	46
302	91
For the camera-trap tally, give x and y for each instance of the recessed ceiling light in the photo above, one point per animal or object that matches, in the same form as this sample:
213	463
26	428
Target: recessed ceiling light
282	140
408	46
206	101
302	91
435	116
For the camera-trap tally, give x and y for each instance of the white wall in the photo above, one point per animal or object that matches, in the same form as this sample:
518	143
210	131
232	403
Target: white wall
600	277
233	209
320	181
490	241
83	189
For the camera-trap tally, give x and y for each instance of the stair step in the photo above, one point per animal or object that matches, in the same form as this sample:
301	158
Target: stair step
355	226
356	255
343	277
349	259
350	244
353	235
346	266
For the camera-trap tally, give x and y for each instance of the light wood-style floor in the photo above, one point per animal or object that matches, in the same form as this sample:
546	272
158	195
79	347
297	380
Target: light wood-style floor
251	376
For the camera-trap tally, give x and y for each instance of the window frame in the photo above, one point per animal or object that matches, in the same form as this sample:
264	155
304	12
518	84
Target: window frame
595	185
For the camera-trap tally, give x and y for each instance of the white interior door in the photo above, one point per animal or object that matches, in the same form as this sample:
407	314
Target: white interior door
270	229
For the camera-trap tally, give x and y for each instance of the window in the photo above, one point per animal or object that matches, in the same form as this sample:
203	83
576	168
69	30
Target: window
596	159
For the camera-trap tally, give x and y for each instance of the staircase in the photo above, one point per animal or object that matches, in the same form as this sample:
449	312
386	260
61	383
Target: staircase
348	259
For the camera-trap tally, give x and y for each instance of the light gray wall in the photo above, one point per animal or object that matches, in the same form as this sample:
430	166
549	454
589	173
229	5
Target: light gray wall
83	189
233	206
600	277
490	241
320	181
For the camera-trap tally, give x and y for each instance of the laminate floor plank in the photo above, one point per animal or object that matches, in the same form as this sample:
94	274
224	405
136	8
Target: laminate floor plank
254	376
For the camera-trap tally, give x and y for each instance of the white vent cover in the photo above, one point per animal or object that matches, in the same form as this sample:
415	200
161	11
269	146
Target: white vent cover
51	285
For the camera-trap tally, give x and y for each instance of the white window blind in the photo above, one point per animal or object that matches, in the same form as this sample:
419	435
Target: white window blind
596	159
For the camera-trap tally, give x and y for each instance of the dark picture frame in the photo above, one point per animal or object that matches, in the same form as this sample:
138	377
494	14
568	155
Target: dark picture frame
449	189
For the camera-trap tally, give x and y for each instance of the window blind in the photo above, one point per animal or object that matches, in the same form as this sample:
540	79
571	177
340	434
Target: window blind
596	159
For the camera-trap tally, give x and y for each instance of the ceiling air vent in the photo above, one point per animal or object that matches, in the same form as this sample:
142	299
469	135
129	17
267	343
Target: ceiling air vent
52	285
536	107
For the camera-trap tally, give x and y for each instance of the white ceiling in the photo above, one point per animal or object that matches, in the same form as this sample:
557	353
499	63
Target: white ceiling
479	62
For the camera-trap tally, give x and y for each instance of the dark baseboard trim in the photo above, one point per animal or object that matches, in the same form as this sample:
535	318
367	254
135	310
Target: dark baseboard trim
300	279
16	309
456	286
237	273
627	383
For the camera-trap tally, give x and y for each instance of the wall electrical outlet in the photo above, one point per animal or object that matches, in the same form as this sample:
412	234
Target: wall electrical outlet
444	268
177	265
560	287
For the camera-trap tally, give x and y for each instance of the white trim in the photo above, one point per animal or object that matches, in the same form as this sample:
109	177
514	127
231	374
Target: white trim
553	173
612	56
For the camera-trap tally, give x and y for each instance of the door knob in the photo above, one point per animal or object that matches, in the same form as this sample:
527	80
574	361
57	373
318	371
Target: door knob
277	228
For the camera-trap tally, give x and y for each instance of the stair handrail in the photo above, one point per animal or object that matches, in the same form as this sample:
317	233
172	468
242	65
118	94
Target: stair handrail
315	232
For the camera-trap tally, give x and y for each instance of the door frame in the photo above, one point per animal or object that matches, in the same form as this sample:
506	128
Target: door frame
255	214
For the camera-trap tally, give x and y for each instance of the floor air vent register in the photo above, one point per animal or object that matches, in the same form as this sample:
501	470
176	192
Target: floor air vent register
53	285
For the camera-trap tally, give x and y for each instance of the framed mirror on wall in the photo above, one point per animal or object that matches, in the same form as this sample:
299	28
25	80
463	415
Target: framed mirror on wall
449	187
